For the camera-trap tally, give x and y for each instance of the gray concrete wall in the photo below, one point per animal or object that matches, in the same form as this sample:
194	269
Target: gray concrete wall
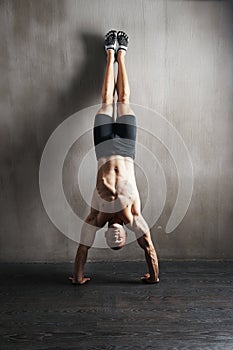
179	63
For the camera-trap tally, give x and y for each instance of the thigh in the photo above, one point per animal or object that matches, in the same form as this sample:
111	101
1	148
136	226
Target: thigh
123	109
106	108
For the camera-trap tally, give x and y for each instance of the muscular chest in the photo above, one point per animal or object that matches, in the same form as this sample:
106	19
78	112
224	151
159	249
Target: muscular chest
112	211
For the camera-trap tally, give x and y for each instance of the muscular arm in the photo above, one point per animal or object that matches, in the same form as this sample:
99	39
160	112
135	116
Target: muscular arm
141	229
89	228
87	238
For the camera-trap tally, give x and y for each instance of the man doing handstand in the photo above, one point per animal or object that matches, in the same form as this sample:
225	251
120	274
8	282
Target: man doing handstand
115	200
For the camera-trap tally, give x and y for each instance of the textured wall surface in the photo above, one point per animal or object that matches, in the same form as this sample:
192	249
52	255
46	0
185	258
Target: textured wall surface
179	64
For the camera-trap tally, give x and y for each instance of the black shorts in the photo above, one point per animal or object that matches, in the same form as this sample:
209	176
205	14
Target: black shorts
115	138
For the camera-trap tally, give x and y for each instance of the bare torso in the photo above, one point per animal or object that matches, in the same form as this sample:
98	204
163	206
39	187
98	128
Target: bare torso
116	196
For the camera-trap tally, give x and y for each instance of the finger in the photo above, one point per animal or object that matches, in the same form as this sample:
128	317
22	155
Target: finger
147	275
148	281
82	282
85	280
72	280
143	278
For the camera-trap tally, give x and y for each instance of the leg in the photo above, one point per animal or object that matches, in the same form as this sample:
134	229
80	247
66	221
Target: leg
108	86
122	85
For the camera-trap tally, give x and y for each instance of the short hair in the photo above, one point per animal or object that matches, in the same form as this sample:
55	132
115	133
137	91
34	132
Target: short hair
112	247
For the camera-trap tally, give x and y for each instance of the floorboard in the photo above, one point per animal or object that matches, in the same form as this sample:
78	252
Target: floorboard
191	307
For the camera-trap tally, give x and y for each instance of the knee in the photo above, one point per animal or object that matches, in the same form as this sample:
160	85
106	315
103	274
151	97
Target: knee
123	100
124	97
107	98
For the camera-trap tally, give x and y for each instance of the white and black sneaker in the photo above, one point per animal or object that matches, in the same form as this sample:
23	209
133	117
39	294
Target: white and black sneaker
123	41
110	40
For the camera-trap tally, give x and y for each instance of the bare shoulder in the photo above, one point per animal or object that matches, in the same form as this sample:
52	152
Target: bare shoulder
139	225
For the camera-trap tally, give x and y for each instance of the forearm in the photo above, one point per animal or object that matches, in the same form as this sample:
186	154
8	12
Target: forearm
152	261
147	245
80	260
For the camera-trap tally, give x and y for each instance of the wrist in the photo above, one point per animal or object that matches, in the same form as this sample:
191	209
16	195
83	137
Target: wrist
79	279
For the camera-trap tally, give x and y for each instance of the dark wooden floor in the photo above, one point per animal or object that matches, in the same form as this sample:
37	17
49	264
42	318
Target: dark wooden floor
191	307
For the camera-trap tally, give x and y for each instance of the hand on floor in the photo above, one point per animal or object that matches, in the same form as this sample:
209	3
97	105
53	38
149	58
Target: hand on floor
147	279
74	280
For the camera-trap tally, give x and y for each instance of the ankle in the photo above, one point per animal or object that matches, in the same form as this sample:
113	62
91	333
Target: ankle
121	55
110	55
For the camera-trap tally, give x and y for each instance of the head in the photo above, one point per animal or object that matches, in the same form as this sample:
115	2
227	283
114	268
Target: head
115	236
